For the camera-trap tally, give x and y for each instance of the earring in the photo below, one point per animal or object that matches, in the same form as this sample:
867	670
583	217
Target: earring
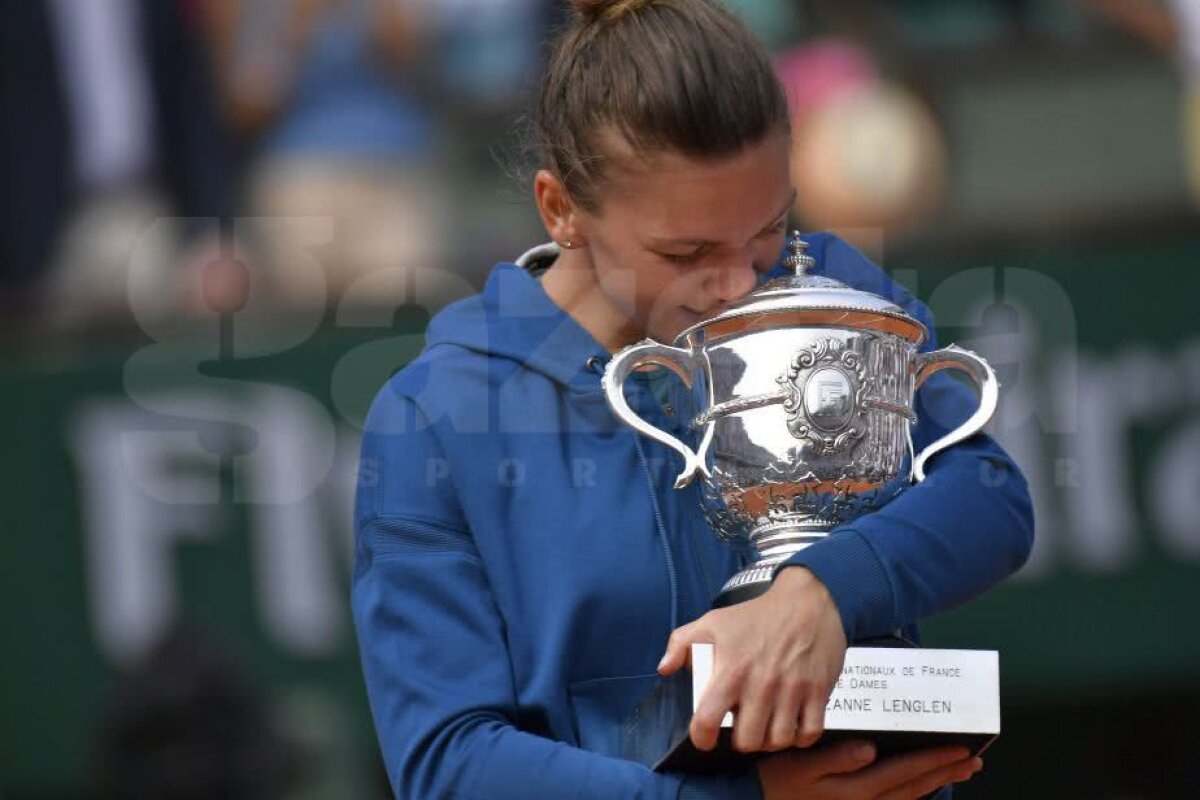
568	244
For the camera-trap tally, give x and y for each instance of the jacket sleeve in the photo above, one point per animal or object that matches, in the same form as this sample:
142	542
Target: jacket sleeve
434	650
942	542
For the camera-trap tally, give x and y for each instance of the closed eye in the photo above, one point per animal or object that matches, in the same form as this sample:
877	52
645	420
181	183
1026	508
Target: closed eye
696	255
686	258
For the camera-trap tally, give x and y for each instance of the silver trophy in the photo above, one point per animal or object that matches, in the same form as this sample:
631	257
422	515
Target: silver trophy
803	395
805	389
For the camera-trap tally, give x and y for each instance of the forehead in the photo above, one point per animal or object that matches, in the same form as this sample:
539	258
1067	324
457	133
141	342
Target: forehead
668	194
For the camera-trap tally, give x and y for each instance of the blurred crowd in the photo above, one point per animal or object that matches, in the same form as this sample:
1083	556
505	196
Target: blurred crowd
167	157
142	138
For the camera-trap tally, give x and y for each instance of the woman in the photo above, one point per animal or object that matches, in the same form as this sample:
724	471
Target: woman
524	561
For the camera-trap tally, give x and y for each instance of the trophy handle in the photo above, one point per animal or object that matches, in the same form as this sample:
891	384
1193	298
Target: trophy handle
955	357
683	363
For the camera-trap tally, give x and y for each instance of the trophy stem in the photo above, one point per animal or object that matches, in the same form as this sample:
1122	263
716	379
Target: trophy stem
774	542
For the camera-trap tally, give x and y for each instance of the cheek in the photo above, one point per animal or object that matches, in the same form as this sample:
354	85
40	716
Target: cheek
662	287
653	300
668	314
616	279
645	289
667	290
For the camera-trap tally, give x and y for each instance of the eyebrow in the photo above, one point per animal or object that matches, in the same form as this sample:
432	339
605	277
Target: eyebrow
707	242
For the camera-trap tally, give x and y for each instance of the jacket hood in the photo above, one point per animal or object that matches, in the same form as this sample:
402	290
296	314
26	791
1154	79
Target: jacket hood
514	318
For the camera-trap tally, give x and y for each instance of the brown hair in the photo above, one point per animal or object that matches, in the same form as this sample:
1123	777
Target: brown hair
681	75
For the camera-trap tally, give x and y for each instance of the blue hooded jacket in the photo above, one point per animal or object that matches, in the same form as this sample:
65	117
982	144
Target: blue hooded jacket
522	555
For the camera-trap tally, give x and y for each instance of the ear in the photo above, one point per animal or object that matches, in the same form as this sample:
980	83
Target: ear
556	209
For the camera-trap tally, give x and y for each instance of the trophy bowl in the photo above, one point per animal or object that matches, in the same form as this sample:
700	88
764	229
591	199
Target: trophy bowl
806	391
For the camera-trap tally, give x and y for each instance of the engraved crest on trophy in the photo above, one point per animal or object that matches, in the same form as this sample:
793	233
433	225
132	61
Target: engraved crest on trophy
824	388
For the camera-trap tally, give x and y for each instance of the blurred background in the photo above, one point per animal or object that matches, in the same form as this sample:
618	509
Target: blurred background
226	222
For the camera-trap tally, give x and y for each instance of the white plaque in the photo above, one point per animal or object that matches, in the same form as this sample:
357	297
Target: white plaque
900	689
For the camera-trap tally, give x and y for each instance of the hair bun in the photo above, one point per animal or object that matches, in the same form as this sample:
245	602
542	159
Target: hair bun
593	10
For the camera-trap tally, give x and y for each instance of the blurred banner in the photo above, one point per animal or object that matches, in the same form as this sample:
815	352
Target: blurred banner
202	479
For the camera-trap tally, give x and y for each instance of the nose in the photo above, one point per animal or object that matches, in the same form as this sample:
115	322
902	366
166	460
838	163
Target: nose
733	279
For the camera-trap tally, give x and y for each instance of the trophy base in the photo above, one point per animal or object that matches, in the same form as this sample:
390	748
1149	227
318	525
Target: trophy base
724	759
776	542
901	699
745	585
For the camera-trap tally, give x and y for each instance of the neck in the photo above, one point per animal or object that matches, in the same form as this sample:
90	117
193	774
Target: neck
571	283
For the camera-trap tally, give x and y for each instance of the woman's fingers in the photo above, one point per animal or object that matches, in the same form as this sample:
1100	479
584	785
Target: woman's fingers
786	717
773	664
812	722
720	696
810	773
840	758
774	711
758	699
932	781
679	646
894	778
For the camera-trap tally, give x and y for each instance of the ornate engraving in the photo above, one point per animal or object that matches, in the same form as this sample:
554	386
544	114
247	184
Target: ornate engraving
825	389
723	507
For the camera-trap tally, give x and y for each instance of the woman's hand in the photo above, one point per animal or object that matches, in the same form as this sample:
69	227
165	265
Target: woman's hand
777	658
845	772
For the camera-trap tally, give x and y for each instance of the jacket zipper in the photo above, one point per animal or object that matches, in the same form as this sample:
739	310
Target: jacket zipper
662	534
596	365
